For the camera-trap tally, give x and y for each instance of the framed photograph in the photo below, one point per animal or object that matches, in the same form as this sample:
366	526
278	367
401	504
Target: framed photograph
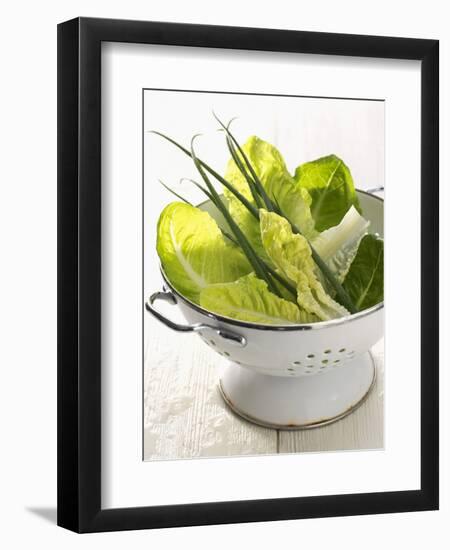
247	276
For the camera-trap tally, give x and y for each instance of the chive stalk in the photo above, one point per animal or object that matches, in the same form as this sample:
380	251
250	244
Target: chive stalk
258	184
252	257
202	189
244	172
215	174
290	288
175	193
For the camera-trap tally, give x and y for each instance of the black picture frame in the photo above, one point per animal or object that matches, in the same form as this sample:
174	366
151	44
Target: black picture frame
79	274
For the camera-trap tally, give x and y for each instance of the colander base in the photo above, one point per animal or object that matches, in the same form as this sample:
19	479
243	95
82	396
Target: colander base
297	403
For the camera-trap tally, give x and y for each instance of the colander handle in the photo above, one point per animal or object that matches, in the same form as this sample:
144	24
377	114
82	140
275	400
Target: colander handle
375	190
231	337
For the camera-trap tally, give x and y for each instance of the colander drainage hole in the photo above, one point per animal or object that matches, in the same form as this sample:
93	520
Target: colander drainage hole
342	350
327	351
310	356
212	342
324	361
226	353
297	363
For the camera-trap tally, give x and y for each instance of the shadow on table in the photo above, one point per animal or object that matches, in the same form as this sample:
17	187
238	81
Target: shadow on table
46	513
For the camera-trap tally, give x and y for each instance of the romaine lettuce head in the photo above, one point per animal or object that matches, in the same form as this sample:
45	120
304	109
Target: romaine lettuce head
338	245
291	254
365	279
279	185
193	251
248	299
330	184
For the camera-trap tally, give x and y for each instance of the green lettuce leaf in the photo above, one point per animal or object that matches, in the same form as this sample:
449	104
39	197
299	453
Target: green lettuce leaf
193	251
365	279
248	224
291	254
267	163
280	186
295	202
248	299
330	184
338	245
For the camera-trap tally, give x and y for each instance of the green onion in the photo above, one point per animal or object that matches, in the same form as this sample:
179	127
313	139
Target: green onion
205	191
216	175
257	181
175	193
281	279
251	255
272	271
244	172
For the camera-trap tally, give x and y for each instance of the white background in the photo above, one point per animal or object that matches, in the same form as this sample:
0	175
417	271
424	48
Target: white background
28	224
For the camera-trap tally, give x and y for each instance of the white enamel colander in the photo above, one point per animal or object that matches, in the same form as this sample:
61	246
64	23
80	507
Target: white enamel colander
293	376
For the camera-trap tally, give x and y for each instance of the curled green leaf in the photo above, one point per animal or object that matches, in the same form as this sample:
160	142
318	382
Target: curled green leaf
292	255
365	279
330	184
187	241
249	299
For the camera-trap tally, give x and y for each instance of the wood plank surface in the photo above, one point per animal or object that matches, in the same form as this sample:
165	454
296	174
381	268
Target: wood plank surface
362	429
185	416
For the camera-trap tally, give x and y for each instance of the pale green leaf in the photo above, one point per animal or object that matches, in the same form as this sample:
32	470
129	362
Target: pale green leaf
193	251
248	299
291	254
248	224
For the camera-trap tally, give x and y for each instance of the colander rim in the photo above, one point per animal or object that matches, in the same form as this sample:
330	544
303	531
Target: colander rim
259	326
282	328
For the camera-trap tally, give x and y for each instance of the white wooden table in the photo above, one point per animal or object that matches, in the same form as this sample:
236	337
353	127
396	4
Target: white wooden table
185	416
